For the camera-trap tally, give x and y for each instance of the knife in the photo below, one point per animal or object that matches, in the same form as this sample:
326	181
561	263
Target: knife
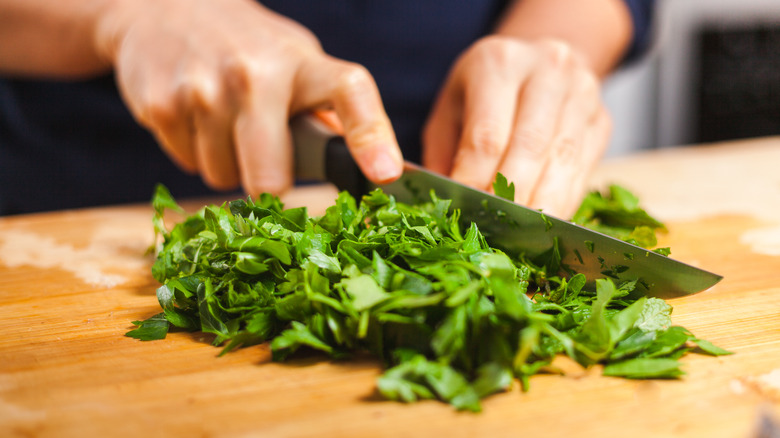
322	155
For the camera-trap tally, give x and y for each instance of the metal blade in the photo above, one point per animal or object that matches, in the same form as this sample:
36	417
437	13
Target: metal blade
509	226
521	230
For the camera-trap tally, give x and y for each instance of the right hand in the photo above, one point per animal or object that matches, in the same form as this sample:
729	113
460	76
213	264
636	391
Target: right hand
216	83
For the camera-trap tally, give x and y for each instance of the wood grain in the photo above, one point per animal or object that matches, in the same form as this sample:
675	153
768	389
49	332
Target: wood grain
71	282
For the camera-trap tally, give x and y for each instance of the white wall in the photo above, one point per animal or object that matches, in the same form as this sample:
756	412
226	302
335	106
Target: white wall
648	101
629	95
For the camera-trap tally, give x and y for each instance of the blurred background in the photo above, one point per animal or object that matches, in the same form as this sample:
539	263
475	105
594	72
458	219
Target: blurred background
712	74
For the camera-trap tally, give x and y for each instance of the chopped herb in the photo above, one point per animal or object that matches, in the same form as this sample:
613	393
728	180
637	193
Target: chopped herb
448	316
155	327
502	188
663	251
617	213
645	368
548	224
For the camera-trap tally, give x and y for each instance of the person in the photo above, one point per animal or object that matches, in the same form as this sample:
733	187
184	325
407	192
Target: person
92	91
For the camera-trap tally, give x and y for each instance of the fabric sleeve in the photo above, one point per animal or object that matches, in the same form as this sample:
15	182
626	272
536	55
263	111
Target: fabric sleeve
642	12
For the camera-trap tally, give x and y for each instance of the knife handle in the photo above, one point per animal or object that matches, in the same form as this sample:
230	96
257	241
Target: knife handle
320	154
341	169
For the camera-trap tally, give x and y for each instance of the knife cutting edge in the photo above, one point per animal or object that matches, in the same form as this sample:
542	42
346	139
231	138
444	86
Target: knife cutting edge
322	155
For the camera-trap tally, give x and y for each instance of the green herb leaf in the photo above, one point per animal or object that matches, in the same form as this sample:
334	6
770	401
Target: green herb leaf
710	348
449	316
151	329
644	368
503	188
618	214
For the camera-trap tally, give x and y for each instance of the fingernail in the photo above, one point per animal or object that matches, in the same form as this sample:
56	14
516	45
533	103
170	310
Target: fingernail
385	167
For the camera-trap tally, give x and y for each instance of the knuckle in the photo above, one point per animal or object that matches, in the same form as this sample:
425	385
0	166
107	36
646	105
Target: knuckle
160	110
191	91
248	74
203	93
493	44
566	149
497	52
557	53
238	74
531	141
490	41
353	80
554	46
254	70
486	141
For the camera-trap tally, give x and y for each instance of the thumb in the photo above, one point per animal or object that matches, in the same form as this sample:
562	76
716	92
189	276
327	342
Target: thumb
350	90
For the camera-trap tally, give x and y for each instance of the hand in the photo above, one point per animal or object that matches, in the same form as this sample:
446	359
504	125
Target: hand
216	82
530	110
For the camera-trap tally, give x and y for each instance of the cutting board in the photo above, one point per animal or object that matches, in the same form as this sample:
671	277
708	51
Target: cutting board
71	282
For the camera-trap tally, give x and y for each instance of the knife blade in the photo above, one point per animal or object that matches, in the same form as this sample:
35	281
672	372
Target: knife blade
320	155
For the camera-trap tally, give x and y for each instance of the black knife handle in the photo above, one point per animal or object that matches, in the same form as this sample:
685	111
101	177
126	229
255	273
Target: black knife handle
341	169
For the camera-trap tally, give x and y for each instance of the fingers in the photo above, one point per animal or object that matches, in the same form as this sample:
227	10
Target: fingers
351	91
488	120
578	142
159	108
176	136
540	105
441	133
534	114
468	130
595	142
560	197
217	84
263	149
263	169
214	148
233	127
193	124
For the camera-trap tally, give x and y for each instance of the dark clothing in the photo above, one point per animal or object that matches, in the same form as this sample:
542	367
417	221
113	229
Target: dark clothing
74	144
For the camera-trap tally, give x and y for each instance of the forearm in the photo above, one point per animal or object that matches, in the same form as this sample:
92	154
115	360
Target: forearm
599	29
51	38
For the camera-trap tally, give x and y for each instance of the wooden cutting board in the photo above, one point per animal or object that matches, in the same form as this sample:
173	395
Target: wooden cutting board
71	282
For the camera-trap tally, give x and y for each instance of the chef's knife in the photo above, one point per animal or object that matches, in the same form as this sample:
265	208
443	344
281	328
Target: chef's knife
322	156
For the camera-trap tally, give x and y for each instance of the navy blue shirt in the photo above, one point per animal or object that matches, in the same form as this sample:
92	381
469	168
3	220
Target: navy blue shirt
74	144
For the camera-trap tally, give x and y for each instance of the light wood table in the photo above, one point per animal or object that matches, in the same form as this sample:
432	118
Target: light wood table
71	282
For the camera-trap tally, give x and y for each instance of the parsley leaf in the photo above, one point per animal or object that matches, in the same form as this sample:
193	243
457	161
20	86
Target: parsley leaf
503	188
449	316
617	213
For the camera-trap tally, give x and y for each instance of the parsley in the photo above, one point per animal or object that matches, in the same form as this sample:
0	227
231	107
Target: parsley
448	316
618	214
503	188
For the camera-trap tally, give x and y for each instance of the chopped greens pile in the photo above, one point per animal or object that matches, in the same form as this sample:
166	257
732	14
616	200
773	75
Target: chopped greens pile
618	214
449	317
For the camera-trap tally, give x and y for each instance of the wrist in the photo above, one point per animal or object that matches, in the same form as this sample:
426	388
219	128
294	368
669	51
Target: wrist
110	21
599	30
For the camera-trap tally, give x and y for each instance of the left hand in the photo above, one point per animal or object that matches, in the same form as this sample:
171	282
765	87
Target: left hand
530	110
